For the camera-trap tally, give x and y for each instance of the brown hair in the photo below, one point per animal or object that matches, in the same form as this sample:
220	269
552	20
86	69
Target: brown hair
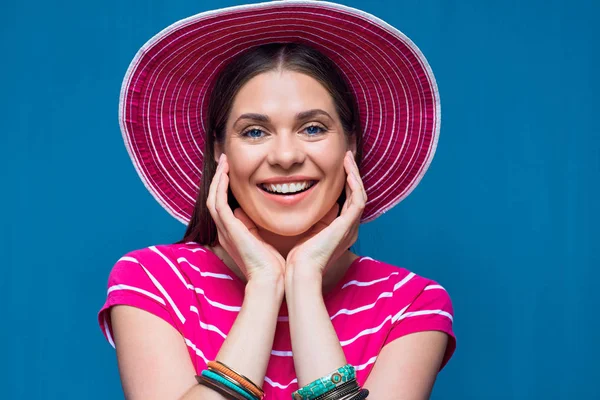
276	56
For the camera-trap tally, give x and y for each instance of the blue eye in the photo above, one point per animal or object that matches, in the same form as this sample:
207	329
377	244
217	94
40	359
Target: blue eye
314	130
253	133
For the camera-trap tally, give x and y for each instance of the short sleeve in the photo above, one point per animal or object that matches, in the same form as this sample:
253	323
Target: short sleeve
140	280
431	310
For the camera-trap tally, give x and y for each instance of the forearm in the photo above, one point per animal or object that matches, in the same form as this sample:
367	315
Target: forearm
315	345
248	345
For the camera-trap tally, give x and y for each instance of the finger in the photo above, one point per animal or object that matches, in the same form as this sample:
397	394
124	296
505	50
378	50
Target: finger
351	190
210	200
348	195
248	223
353	168
324	222
347	240
356	202
330	216
221	205
358	196
233	227
212	195
351	233
338	231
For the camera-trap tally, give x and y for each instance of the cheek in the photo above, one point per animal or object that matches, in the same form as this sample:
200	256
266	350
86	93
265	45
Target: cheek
340	183
332	166
332	163
238	179
242	166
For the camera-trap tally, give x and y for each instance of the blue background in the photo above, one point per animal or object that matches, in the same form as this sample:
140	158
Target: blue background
504	219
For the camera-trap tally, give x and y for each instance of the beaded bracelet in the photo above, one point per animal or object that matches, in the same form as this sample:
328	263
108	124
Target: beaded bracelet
325	384
232	381
239	378
345	391
207	374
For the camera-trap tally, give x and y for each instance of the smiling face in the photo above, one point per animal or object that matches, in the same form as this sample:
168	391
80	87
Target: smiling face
283	135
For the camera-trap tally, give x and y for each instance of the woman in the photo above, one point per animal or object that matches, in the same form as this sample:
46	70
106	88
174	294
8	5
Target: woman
262	297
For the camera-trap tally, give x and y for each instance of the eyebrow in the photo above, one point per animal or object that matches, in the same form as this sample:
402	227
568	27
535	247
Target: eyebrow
300	116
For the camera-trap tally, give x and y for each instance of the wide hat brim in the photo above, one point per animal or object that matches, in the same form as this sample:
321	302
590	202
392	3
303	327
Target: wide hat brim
164	96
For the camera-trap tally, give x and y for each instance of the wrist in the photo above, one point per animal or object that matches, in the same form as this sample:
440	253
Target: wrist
266	285
303	280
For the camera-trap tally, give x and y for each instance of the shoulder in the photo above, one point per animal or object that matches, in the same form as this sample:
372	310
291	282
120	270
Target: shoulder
148	262
382	302
155	254
177	261
149	273
408	291
167	273
416	303
166	280
398	277
178	271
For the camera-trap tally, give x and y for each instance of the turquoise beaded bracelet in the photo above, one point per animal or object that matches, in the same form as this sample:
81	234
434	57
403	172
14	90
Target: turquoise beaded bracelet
218	378
326	383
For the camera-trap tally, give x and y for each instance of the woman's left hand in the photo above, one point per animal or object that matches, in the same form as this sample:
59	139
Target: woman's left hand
329	238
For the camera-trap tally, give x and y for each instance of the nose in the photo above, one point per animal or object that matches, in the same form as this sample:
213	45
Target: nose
287	150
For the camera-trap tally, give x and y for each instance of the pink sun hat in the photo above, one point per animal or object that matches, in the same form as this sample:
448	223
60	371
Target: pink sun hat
165	93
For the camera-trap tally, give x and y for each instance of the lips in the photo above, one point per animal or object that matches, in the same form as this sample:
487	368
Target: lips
289	199
287	188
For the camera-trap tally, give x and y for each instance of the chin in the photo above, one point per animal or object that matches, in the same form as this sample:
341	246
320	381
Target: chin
287	229
289	225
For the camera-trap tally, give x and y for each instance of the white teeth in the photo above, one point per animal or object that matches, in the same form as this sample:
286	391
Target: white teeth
287	187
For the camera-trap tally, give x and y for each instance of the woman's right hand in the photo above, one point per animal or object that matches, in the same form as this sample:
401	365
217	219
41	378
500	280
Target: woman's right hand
238	234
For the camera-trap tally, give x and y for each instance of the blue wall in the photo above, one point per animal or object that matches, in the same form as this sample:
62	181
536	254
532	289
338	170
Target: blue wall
504	218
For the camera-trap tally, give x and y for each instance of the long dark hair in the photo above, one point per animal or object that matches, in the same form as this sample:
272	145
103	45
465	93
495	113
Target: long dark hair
276	56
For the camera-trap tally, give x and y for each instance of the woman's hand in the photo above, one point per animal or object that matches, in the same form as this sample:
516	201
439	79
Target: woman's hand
238	234
329	238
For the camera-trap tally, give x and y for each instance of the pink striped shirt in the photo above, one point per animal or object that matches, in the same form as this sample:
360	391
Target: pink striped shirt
193	290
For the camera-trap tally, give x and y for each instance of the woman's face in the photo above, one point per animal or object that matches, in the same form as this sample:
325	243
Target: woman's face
285	148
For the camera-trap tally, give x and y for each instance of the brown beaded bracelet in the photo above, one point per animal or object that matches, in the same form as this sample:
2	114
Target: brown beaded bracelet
227	378
239	378
222	390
